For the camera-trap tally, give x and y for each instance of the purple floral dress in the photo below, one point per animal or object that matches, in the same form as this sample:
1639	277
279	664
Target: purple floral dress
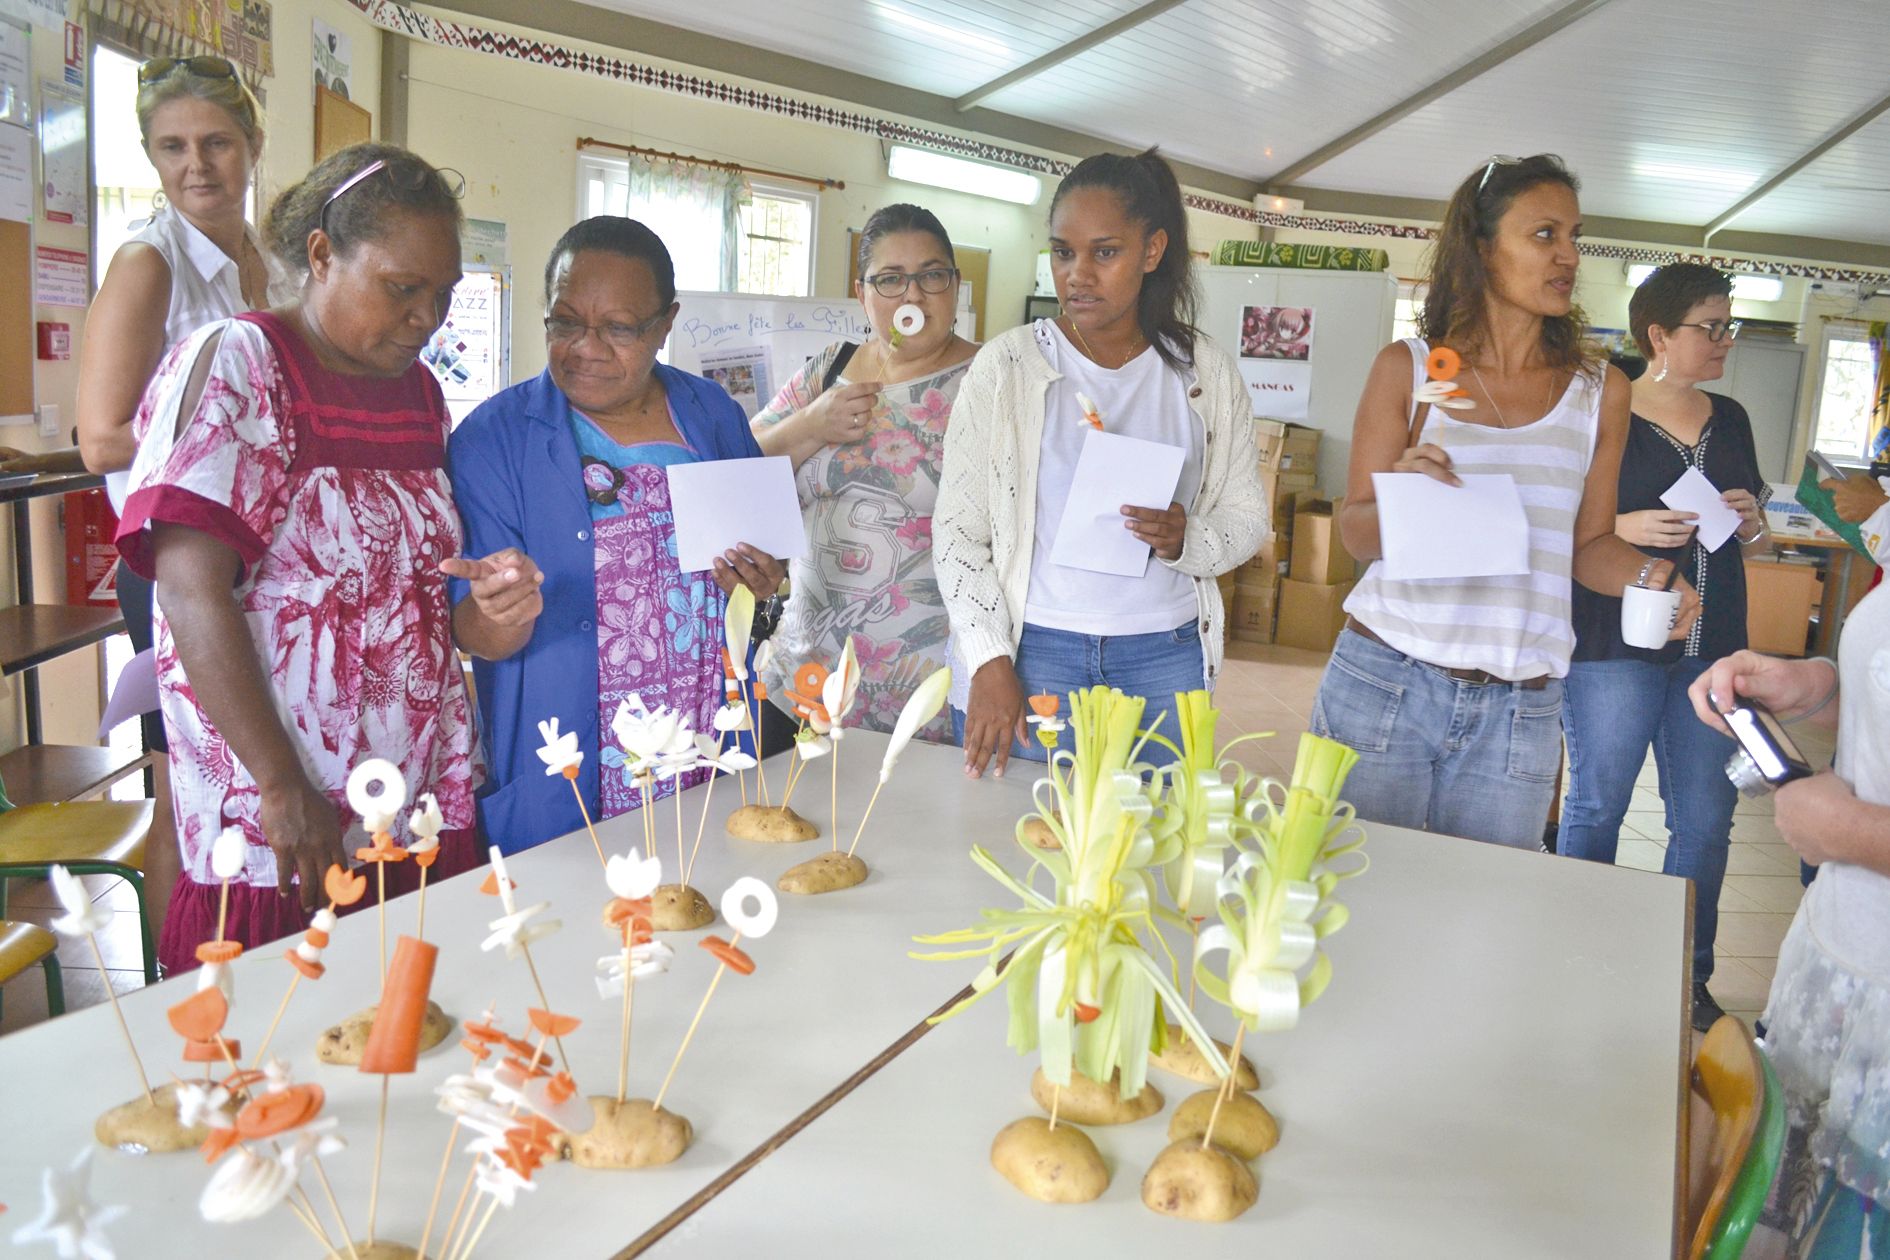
659	631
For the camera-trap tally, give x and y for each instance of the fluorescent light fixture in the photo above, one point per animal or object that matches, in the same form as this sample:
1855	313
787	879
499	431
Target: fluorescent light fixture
1746	286
942	170
1750	288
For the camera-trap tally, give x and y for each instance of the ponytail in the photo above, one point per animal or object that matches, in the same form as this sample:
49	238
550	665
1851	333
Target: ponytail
1151	196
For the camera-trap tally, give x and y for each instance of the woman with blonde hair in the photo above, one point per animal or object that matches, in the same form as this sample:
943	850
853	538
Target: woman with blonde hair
195	261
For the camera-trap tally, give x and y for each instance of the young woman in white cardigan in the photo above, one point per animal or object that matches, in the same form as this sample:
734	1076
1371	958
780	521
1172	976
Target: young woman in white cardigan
1022	624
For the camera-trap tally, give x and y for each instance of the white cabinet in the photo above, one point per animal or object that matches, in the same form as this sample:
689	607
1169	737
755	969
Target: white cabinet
1763	375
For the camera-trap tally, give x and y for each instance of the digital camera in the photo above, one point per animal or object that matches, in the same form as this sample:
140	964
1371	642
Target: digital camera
1767	759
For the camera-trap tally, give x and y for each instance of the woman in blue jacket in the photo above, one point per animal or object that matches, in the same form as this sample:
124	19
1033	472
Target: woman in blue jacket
563	485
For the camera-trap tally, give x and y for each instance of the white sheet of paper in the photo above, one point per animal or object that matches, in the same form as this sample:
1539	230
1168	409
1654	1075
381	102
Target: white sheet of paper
722	502
1694	493
1431	530
1111	471
134	695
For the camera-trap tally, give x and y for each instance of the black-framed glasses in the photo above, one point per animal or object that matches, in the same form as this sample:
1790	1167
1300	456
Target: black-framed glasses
409	179
1716	330
559	330
164	67
1501	159
892	284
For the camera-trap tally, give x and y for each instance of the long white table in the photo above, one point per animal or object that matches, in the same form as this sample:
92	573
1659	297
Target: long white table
1496	1071
832	990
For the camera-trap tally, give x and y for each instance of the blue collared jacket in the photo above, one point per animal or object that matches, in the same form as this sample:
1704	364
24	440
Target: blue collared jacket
516	477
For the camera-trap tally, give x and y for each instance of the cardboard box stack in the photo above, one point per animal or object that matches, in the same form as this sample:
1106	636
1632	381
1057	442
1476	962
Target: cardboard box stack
1320	575
1289	455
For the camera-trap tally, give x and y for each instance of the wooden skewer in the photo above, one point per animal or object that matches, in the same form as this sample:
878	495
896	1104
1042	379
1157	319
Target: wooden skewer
274	1023
679	840
1222	1094
677	1061
374	1187
312	1225
588	825
223	907
1056	1101
380	880
421	930
480	1232
347	1235
457	1228
833	794
439	1184
707	797
629	986
873	800
105	976
543	1000
754	720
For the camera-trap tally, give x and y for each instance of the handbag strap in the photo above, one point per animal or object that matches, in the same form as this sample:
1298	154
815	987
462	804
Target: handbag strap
841	357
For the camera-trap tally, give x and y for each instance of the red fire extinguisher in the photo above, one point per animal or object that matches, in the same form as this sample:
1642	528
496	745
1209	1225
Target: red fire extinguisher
91	555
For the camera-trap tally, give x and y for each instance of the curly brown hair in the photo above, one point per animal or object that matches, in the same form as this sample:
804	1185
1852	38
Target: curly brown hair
1456	310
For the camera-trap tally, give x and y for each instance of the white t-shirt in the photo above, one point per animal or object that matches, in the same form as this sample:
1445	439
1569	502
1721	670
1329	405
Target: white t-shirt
1144	398
1849	906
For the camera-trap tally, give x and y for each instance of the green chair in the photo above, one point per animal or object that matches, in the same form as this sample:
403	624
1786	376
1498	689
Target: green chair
22	945
87	838
1733	1076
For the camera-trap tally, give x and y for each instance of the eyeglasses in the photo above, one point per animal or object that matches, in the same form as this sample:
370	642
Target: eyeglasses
892	284
1501	159
406	178
1716	330
164	67
559	330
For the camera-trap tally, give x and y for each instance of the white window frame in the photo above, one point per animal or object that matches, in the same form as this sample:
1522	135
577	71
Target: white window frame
1833	332
811	196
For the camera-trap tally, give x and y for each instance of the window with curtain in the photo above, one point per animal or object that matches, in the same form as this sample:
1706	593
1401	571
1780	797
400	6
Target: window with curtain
1847	392
695	209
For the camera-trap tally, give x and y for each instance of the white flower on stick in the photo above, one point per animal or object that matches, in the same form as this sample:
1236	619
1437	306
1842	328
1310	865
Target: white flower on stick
244	1186
647	736
924	704
205	1104
81	917
727	760
426	823
560	752
649	959
631	877
730	717
227	852
841	689
377	808
68	1219
514	930
809	746
738	623
1442	394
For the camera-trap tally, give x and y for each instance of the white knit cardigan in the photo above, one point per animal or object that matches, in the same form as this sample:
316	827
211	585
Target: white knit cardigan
984	524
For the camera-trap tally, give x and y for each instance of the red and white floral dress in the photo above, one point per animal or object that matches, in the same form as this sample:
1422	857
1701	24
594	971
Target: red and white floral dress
333	491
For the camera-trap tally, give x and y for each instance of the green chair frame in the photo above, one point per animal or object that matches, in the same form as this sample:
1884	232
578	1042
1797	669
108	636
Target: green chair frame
40	869
1756	1174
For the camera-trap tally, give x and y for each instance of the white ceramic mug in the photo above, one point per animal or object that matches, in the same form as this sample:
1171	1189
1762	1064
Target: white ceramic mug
1648	616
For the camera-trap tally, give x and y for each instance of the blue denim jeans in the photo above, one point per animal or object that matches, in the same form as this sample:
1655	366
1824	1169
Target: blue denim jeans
1458	758
1154	666
1615	710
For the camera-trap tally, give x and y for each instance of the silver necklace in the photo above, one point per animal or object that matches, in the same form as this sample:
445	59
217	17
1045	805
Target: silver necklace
1488	397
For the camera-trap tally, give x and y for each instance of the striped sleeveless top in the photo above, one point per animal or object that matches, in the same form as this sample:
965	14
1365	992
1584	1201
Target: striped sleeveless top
1512	627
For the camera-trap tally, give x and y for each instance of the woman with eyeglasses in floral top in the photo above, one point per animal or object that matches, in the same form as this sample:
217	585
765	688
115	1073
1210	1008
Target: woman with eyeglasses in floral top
865	427
290	499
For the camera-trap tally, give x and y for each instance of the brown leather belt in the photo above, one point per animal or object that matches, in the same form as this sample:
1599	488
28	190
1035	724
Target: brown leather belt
1476	677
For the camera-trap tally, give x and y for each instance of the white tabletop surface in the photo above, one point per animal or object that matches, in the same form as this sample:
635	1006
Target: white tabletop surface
1495	1072
833	988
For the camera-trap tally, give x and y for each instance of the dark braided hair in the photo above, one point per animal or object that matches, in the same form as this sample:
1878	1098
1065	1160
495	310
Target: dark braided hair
409	182
1151	196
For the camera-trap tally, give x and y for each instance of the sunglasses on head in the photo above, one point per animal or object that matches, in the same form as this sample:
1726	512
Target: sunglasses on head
1501	159
164	67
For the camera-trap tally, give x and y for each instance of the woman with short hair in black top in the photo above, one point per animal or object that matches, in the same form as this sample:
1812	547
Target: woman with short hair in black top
1619	699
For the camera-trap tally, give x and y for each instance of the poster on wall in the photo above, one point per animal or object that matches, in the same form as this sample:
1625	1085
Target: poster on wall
753	344
1275	345
742	370
16	174
62	163
60	277
50	14
482	241
259	32
467	352
334	60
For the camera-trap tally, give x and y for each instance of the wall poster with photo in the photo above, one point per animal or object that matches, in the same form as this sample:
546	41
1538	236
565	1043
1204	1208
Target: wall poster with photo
1274	347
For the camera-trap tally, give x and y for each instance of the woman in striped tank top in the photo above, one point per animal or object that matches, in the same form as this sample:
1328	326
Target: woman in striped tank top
1450	689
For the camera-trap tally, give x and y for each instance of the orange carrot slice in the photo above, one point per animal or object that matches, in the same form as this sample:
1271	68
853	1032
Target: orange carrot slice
271	1113
343	888
200	1016
733	957
550	1023
313	970
219	951
1443	365
1045	705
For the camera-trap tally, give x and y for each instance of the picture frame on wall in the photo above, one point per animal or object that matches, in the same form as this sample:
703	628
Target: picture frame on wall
1041	307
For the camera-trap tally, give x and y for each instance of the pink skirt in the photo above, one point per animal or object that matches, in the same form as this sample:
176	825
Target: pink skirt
258	915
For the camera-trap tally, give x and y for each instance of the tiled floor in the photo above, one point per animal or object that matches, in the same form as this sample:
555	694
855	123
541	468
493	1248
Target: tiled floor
1263	689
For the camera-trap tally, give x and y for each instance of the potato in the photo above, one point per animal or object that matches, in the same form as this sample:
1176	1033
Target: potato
379	1249
830	872
1059	1165
1245	1127
1199	1184
1184	1058
1034	830
343	1043
679	908
770	824
627	1135
1086	1102
148	1126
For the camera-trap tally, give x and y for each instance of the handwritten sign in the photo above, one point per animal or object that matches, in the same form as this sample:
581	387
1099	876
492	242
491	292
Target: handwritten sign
751	345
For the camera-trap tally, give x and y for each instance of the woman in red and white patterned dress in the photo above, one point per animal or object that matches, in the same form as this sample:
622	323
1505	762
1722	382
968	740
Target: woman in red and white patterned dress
290	499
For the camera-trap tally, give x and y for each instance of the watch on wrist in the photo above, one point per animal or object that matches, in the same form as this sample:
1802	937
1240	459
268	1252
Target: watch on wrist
767	617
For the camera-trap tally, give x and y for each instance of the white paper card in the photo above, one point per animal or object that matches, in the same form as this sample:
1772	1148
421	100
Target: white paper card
1694	493
721	502
1113	470
135	694
1432	530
